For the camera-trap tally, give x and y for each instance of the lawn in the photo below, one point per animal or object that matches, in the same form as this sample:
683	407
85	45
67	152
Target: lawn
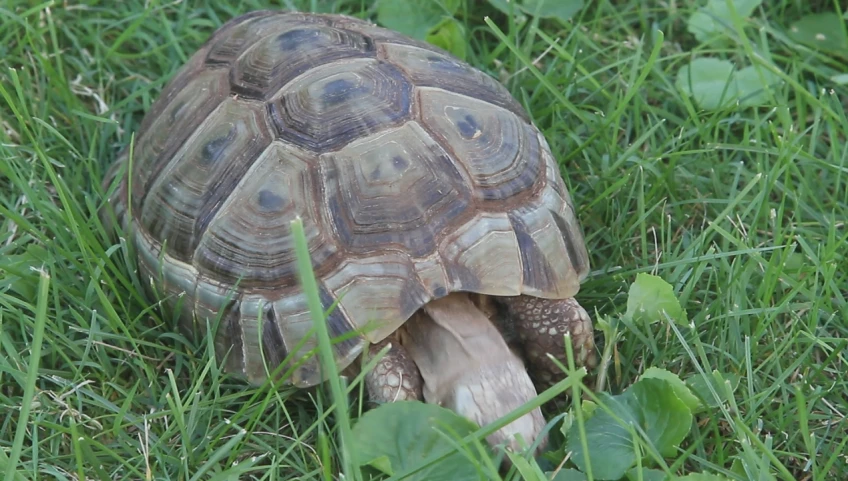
706	148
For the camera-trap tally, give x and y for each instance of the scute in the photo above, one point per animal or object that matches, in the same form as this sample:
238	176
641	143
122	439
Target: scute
174	122
469	254
217	307
499	151
375	291
332	105
415	175
233	38
276	59
186	196
172	279
394	190
297	331
429	67
250	240
548	270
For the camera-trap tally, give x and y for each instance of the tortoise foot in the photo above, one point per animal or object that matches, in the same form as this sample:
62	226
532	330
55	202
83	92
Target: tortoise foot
395	377
541	325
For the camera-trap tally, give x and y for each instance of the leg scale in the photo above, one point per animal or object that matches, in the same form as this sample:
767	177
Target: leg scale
395	377
542	324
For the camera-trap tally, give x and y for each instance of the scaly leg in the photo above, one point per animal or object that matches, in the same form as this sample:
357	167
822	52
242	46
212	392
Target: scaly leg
395	377
541	325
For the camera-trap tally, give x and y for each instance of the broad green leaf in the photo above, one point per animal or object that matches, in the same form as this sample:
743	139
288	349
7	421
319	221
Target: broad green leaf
646	474
400	435
700	386
610	444
414	17
709	82
505	6
753	85
823	31
680	389
701	477
449	35
649	297
714	83
567	475
716	17
559	9
664	417
649	404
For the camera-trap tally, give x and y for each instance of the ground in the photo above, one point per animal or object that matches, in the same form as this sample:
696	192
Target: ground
740	206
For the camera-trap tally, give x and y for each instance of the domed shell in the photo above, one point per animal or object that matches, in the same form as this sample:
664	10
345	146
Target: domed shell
415	176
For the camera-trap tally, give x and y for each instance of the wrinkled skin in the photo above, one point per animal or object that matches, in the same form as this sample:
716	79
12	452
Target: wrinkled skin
452	354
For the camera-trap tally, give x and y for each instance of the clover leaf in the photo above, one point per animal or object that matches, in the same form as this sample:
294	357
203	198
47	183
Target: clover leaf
680	388
649	297
558	9
449	35
715	84
822	31
709	81
715	18
651	407
398	436
414	17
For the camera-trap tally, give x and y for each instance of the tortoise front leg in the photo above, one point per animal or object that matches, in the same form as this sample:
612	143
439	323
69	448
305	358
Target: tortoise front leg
541	325
395	377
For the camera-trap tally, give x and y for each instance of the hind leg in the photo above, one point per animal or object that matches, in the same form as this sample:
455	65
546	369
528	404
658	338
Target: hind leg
541	325
395	377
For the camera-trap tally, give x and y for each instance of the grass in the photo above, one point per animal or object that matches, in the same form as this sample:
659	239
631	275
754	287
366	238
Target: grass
742	210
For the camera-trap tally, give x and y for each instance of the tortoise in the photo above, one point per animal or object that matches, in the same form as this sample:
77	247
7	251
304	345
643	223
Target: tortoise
436	216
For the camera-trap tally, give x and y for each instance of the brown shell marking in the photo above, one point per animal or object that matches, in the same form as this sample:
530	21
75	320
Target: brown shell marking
429	68
266	66
252	228
415	175
201	175
499	151
334	104
397	189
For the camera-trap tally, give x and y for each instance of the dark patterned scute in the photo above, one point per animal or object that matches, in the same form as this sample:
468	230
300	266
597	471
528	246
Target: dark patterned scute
331	105
202	174
262	69
414	174
395	189
428	68
499	151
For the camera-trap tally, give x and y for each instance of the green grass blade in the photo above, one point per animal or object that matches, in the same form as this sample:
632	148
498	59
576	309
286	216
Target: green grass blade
39	323
328	359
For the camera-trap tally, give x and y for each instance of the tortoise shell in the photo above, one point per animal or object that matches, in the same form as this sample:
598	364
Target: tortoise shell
415	175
